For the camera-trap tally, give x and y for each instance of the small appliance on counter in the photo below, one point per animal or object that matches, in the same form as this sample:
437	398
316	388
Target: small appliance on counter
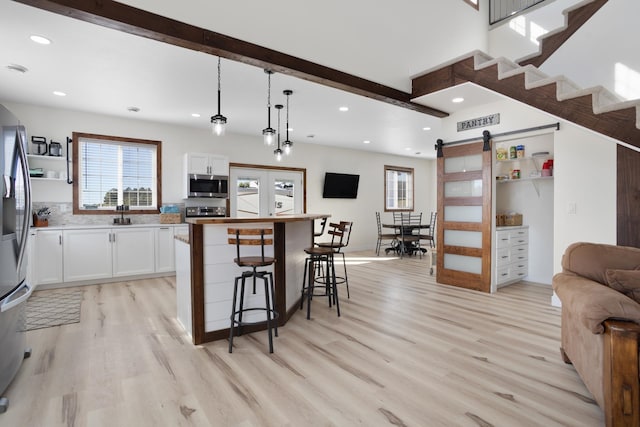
39	145
55	149
205	211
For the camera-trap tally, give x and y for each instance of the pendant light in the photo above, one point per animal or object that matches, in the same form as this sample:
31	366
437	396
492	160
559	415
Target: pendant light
287	144
268	133
278	151
218	121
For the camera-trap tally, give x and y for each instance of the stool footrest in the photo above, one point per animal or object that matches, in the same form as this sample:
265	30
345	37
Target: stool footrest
274	316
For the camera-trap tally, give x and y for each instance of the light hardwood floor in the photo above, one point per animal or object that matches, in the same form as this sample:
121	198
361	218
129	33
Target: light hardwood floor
406	352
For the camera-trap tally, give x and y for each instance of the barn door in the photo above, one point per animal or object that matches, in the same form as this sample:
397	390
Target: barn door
464	214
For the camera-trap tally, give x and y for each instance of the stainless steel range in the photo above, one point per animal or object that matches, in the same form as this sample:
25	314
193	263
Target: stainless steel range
205	211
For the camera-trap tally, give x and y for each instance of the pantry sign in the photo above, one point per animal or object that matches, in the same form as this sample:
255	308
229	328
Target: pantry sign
491	120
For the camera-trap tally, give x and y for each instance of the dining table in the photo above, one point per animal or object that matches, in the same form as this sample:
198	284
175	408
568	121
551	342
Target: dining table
399	245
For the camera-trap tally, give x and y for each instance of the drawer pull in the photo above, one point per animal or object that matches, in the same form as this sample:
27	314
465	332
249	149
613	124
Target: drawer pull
504	274
504	257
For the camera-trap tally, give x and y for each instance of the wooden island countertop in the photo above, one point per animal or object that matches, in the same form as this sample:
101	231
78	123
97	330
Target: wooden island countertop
274	219
208	257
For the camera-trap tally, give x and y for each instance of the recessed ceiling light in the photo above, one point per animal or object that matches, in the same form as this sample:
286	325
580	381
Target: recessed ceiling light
17	68
408	148
457	100
426	128
58	93
40	39
133	109
366	142
344	108
195	115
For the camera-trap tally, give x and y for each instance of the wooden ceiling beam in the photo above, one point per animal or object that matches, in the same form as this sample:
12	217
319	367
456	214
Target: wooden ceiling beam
121	17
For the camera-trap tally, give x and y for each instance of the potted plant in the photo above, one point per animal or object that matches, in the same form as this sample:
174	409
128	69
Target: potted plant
41	217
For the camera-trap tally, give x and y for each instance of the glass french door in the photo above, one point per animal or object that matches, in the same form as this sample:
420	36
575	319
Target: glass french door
464	204
260	193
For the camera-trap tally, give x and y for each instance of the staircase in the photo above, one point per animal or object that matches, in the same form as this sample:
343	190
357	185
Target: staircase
594	108
574	18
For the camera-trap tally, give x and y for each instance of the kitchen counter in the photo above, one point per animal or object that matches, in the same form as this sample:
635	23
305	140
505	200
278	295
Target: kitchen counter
207	286
106	225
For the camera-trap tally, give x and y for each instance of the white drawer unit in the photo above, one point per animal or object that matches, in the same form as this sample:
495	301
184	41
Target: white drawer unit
511	261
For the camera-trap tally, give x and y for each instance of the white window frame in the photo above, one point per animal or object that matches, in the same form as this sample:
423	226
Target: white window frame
156	197
393	187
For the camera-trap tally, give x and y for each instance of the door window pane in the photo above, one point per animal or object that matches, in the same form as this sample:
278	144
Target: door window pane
463	188
463	163
248	200
284	191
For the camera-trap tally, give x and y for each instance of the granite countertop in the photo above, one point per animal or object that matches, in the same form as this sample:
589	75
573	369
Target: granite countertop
182	238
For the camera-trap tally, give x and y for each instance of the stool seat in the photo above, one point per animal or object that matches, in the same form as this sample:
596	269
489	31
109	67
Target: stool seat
318	251
253	261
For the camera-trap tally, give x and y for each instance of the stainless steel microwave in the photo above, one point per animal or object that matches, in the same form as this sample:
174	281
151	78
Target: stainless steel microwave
207	186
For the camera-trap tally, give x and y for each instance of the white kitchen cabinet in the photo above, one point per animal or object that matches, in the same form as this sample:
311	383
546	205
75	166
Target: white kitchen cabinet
511	254
46	259
165	255
133	251
87	254
206	164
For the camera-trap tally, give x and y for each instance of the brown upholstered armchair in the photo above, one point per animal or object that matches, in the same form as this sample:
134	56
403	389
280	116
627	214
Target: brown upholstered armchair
600	288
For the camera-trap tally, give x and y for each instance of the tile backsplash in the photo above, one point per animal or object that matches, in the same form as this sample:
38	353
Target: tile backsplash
62	214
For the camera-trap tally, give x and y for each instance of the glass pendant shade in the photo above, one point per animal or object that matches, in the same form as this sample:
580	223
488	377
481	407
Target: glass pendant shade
269	135
278	153
218	123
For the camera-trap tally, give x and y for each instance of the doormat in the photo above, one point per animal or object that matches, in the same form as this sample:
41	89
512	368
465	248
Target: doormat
53	308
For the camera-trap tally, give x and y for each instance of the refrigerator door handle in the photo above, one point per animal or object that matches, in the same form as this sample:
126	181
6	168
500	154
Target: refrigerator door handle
27	200
8	304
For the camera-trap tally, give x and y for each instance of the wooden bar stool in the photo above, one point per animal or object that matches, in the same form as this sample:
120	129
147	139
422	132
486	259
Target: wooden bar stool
340	235
318	256
248	236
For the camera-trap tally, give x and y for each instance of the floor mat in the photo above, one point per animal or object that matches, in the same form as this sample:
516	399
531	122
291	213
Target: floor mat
53	308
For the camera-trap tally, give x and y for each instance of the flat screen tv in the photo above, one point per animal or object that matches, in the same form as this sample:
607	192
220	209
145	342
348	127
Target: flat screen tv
340	186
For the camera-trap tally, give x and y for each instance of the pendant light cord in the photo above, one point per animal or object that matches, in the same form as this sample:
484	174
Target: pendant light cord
219	85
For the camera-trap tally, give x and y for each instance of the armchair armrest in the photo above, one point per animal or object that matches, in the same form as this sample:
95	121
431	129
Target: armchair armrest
592	302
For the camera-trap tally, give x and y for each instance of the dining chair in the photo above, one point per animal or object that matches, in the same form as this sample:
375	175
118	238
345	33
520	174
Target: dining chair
429	236
410	242
383	236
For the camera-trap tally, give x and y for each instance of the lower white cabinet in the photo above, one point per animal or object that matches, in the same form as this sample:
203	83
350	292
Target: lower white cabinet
165	258
87	254
46	259
511	254
133	251
93	253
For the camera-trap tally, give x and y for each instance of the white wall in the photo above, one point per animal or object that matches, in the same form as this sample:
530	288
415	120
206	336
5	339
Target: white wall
584	170
317	159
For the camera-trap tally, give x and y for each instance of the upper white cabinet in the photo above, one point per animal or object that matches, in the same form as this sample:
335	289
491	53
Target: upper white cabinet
206	164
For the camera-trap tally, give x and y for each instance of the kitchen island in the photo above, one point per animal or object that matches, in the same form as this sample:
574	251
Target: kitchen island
206	271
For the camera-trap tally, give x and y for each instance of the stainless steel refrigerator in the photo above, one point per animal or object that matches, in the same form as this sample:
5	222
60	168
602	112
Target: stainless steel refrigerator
15	216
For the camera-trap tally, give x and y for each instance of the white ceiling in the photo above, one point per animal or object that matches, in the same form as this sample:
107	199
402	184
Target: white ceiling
106	71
